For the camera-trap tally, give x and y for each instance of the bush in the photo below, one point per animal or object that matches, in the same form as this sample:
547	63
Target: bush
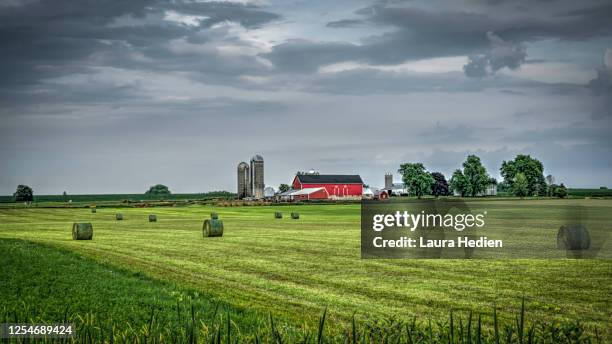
560	191
158	189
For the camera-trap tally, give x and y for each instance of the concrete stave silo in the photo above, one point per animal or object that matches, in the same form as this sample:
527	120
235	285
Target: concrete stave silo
244	180
388	180
257	176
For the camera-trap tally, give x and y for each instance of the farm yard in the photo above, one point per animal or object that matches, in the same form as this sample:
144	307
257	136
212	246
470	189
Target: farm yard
287	269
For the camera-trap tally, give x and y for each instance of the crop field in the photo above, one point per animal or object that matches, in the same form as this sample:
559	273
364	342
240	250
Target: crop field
291	269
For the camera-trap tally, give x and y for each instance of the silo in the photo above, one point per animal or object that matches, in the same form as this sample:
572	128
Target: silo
388	180
257	176
244	180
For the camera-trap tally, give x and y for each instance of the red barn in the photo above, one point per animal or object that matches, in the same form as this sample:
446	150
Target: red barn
336	185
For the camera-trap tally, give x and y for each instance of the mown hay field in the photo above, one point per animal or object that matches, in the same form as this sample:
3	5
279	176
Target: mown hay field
295	268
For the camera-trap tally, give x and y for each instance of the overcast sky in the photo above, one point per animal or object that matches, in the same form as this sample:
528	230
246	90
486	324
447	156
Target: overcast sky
113	96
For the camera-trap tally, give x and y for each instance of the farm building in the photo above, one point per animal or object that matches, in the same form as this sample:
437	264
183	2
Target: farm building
336	185
395	189
381	194
269	192
367	193
491	190
305	194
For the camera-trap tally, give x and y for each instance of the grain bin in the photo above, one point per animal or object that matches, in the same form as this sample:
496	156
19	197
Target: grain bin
573	237
278	215
82	231
152	218
212	228
119	216
295	216
214	216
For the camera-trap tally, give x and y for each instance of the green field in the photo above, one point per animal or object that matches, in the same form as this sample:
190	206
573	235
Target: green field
58	200
295	268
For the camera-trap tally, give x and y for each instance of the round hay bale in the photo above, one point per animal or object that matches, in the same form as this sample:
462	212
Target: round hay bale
278	215
82	231
93	210
573	237
212	228
152	218
295	216
214	216
119	216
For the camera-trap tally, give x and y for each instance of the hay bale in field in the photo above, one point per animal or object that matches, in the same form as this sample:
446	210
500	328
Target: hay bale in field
82	231
295	216
212	228
119	216
214	216
93	210
278	215
573	237
152	218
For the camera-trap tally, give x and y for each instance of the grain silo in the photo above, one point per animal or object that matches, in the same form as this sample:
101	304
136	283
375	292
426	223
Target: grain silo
257	176
388	180
244	180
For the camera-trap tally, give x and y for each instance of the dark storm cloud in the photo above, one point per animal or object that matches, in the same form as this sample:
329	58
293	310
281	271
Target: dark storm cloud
601	87
247	15
300	55
419	33
44	39
129	90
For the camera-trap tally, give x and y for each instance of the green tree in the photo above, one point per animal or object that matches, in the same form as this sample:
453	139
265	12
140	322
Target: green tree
530	167
560	191
24	193
283	188
476	176
158	189
440	186
550	182
458	183
416	178
520	186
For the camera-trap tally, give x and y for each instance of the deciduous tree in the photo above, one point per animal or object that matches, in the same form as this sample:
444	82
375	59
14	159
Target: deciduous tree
520	186
158	189
560	191
440	186
283	188
476	176
531	168
458	183
416	178
24	193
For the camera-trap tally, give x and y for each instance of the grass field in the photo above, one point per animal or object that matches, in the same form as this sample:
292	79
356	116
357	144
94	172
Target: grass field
296	268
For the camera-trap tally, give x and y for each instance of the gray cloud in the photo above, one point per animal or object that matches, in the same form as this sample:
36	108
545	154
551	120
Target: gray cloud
116	88
417	34
501	54
346	23
601	87
44	39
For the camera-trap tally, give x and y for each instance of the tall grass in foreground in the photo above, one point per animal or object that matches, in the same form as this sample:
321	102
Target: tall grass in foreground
191	328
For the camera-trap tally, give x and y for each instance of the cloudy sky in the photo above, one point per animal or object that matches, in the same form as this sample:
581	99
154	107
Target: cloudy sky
101	96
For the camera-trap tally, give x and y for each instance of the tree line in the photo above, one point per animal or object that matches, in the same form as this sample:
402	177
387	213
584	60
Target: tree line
522	177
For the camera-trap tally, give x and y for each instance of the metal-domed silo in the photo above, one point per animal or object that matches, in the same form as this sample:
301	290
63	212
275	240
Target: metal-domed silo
244	180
